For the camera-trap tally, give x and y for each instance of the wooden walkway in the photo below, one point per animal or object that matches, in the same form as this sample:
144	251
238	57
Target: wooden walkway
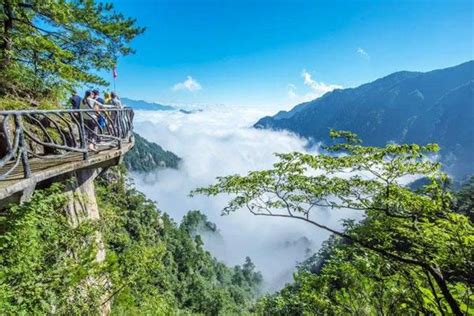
28	135
43	169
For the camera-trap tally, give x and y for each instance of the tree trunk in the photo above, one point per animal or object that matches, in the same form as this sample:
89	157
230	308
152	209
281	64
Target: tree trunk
7	40
441	282
433	290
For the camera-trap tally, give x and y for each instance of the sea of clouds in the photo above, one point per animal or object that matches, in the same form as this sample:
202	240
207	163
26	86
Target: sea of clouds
221	141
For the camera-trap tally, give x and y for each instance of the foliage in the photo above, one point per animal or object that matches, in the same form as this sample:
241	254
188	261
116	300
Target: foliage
160	266
195	222
46	264
152	266
10	103
50	46
318	260
147	156
354	282
403	231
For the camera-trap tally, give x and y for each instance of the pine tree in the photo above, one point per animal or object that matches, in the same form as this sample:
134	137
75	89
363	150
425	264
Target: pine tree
50	46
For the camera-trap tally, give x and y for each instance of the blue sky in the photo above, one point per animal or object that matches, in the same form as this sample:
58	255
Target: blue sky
279	53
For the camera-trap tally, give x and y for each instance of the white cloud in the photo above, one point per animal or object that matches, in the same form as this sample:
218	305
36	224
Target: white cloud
317	89
363	53
216	142
190	84
220	141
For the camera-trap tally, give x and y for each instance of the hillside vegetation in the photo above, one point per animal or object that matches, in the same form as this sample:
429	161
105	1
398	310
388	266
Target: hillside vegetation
342	279
412	251
153	265
147	156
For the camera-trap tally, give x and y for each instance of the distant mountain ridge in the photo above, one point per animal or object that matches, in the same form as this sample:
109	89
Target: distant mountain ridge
144	105
404	107
151	106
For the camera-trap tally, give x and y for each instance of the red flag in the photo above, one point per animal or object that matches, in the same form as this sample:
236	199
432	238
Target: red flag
114	72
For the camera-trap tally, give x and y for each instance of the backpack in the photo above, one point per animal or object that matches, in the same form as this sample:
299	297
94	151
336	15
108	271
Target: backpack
102	121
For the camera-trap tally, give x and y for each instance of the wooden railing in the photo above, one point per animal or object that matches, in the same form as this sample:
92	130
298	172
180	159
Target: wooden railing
46	134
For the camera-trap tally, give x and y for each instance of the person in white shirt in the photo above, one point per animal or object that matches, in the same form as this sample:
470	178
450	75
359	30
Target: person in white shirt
90	119
89	102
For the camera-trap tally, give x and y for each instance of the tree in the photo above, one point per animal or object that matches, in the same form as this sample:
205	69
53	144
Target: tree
410	228
47	46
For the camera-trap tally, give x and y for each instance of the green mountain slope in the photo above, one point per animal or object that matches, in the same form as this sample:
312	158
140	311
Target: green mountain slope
147	156
153	265
404	107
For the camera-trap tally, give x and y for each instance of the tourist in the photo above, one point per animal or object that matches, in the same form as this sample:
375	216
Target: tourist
96	96
90	101
91	118
75	100
116	100
107	98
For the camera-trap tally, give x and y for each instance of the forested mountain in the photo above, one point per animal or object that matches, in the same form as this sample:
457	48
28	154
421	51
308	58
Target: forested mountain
404	107
87	245
155	266
147	156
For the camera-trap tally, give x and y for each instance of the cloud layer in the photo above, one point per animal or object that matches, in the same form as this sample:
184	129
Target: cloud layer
190	84
217	142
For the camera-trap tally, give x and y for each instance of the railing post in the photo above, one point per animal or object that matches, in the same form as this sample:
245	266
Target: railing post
82	129
4	137
130	115
118	117
119	124
22	147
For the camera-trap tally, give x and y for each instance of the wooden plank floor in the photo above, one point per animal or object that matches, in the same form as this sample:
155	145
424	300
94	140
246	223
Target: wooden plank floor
43	169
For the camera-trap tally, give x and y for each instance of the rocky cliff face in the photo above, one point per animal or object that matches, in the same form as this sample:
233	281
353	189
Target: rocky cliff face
82	205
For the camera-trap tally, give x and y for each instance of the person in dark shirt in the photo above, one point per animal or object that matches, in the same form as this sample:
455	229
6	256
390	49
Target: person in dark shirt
75	100
97	96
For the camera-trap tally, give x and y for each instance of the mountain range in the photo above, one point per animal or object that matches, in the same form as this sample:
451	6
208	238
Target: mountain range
144	105
152	106
404	107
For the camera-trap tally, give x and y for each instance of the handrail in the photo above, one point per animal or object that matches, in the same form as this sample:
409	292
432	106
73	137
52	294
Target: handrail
65	110
46	134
